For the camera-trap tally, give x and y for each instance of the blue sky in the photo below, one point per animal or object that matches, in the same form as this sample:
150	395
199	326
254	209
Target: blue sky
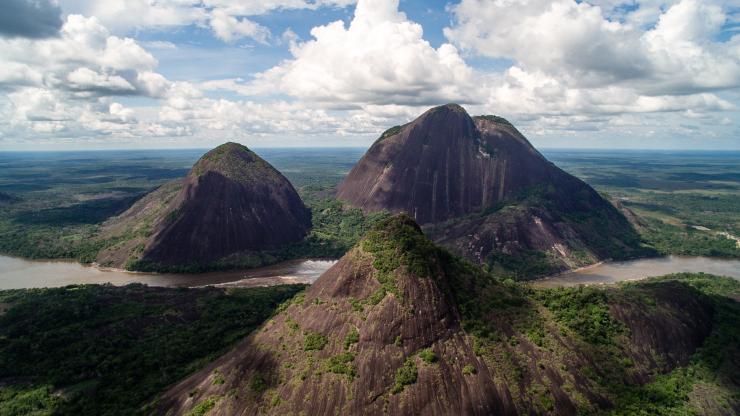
83	74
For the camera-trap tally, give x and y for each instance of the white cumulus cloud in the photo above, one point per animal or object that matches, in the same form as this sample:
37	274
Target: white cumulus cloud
229	28
84	58
64	85
227	18
380	58
577	43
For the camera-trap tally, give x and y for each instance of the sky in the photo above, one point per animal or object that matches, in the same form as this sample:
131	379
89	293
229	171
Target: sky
641	74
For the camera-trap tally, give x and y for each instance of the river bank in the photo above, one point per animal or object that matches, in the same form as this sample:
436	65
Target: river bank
16	273
638	269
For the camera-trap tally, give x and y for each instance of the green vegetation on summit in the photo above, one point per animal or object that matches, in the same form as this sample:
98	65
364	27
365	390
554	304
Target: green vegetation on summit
453	339
396	301
237	163
399	325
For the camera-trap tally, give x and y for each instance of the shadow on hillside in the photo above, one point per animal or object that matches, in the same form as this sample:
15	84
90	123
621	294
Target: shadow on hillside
89	212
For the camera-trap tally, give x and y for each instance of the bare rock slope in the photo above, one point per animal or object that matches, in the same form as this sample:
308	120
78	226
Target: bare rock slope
232	201
399	326
481	189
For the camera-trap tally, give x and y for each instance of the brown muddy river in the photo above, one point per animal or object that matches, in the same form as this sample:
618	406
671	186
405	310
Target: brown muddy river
620	271
18	273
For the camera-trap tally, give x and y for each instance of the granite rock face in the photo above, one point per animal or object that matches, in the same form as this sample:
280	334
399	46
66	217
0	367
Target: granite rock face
479	188
231	201
399	326
443	165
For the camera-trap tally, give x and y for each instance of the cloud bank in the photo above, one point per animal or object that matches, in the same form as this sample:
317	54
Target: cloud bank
380	58
600	69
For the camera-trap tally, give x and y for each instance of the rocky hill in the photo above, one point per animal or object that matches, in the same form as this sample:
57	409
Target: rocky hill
400	326
231	202
478	187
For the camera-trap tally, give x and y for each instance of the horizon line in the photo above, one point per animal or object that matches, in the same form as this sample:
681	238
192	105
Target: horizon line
124	149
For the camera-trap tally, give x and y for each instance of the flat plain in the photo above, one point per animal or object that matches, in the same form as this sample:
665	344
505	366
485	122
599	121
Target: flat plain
52	202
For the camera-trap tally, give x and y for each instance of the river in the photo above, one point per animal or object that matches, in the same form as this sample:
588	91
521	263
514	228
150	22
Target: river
619	271
18	273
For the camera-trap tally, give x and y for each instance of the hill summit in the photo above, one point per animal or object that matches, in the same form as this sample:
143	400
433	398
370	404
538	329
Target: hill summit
443	165
482	190
232	201
399	326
